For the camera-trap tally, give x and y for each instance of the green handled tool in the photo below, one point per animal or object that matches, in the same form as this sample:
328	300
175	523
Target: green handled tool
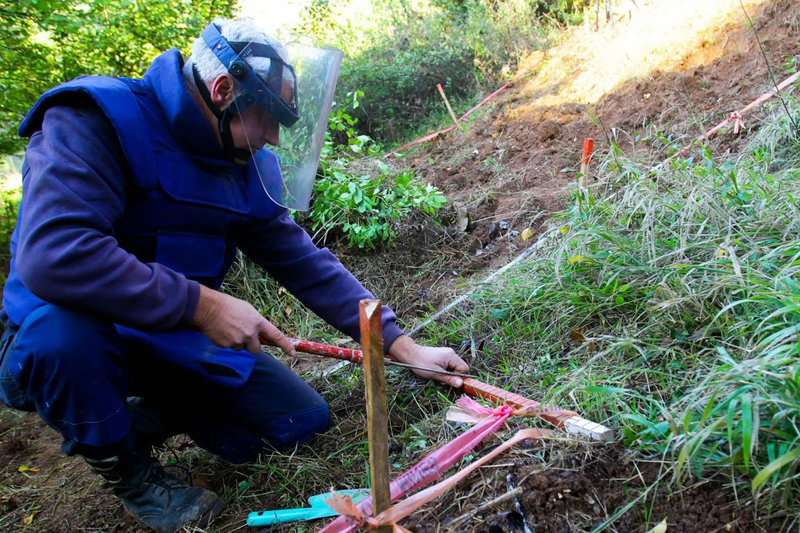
318	509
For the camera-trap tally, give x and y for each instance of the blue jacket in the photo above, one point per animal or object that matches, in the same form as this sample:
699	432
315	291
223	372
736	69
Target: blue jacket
128	205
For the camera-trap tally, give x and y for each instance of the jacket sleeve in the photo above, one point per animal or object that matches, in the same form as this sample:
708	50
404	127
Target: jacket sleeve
313	275
73	195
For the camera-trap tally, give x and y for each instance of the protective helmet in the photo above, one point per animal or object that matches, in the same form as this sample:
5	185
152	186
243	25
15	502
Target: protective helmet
290	88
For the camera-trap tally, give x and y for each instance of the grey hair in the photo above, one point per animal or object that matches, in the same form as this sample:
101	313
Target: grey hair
209	67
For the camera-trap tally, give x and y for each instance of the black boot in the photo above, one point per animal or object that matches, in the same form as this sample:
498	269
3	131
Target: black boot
156	498
152	422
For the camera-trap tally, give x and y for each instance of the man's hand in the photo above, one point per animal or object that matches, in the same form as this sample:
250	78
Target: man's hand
232	323
405	350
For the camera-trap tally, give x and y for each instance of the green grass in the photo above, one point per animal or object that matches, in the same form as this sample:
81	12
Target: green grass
667	304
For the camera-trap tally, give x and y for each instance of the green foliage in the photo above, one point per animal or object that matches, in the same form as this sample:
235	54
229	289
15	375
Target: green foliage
364	208
48	42
401	52
10	196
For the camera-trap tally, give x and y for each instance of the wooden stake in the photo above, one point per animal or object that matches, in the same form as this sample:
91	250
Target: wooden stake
377	411
447	103
586	19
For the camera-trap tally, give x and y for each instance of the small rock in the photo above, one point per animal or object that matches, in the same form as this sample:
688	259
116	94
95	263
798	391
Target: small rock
549	129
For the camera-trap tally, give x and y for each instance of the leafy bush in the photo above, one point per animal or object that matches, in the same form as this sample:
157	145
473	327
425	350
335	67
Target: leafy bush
10	195
366	208
399	53
48	42
362	207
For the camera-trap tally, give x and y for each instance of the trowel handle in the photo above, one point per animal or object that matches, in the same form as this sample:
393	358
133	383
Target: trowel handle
269	518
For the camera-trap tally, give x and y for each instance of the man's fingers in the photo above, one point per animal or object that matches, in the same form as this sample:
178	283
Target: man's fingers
453	381
280	340
254	346
455	363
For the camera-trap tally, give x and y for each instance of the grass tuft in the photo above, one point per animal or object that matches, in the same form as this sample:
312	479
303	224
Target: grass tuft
667	304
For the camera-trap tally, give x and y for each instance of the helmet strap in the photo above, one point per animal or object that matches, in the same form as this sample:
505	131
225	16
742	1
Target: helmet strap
223	121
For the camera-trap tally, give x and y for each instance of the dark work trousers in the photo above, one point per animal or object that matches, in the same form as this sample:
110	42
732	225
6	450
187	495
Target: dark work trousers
77	372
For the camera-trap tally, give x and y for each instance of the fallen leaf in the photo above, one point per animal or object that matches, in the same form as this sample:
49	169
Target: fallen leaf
202	483
526	234
577	259
564	230
28	469
28	520
660	528
577	335
288	310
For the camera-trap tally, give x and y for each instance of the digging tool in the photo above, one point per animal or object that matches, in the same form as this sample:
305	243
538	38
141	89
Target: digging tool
575	425
346	354
318	509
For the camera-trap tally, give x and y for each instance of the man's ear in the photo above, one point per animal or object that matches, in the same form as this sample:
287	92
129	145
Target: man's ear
221	91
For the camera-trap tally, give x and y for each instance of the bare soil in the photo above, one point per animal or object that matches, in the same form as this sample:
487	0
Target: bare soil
577	488
675	66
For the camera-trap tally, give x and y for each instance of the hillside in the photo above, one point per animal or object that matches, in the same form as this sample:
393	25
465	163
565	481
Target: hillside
664	73
515	161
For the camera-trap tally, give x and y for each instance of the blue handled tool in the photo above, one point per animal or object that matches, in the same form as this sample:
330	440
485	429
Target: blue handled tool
318	509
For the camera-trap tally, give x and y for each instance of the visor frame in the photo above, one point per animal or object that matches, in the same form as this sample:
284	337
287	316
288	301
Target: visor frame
255	89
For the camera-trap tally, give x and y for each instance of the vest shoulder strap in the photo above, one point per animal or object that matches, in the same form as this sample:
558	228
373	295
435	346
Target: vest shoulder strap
118	103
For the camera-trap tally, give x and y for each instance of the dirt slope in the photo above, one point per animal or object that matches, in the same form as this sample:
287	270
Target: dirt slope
680	65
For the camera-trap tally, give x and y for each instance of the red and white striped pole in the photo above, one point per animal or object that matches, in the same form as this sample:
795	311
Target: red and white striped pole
588	150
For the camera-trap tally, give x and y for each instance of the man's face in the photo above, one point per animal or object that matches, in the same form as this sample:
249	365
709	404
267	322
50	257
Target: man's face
256	127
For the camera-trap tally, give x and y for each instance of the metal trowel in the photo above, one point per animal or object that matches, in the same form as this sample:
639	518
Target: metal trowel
318	509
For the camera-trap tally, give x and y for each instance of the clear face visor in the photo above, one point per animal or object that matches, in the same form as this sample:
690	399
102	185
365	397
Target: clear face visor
288	103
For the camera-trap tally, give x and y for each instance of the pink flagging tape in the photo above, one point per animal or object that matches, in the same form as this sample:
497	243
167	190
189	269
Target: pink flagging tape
736	116
422	140
427	470
465	115
391	516
432	466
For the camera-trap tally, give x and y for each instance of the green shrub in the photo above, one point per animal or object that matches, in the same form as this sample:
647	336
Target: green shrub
47	42
362	207
366	209
10	195
399	53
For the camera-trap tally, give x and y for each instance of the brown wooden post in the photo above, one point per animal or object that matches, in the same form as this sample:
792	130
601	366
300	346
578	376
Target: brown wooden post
447	103
377	411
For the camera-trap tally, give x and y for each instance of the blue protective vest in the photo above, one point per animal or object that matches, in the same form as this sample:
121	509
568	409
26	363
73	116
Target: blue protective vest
182	207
